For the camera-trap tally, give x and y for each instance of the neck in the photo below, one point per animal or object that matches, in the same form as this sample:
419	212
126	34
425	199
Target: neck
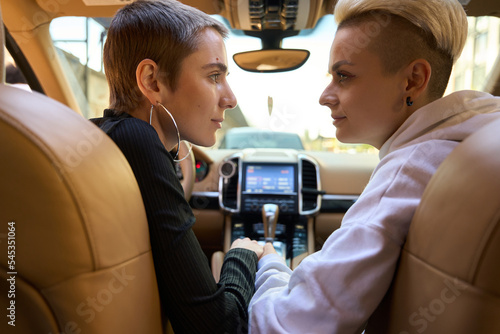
163	125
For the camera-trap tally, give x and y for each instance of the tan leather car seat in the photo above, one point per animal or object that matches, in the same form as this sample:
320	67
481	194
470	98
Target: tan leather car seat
75	255
71	204
448	280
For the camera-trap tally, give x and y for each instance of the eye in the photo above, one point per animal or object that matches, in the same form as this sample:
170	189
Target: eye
215	77
341	76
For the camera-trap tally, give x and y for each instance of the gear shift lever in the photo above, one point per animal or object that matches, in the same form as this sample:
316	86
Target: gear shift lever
269	219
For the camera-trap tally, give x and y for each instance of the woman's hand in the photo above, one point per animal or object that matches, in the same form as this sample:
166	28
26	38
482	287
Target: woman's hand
246	243
268	249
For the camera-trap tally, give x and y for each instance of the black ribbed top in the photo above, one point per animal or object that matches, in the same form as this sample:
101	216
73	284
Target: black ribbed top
190	298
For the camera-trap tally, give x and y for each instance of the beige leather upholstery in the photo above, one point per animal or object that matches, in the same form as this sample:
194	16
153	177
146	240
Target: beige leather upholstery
83	261
448	280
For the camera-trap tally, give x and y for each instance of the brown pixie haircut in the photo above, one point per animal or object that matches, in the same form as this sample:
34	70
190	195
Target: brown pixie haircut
165	31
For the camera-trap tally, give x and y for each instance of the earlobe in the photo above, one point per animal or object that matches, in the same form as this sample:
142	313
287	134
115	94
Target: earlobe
146	76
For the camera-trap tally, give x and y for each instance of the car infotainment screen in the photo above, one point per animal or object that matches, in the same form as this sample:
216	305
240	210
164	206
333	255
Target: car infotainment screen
269	179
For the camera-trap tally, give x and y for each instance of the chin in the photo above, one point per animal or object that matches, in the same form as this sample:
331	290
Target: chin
205	142
348	136
347	139
342	138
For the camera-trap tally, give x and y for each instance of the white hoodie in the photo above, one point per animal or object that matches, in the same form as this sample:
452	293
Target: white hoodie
336	289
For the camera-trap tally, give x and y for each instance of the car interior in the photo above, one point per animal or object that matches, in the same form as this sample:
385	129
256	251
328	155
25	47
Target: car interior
72	208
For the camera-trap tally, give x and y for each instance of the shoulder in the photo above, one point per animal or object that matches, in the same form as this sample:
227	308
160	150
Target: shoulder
404	173
137	140
398	182
132	134
421	157
124	126
133	128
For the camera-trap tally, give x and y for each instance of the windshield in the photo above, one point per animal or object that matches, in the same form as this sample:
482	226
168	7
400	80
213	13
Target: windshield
248	137
279	102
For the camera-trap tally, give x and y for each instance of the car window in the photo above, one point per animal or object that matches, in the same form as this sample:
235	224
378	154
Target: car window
279	102
79	42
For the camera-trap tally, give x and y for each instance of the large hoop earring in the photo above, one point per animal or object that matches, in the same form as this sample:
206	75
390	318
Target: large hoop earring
150	114
176	129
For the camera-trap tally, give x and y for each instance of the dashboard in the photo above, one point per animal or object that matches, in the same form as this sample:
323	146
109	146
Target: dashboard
312	189
252	178
288	179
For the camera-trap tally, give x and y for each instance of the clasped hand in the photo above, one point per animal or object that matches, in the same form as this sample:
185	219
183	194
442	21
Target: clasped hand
254	246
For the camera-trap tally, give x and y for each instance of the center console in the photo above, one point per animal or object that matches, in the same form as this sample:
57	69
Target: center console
284	178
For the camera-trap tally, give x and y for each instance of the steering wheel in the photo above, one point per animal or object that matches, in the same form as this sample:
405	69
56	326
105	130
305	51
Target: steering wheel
187	168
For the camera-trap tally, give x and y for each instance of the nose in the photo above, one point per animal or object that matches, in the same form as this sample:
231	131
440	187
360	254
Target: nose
329	98
227	100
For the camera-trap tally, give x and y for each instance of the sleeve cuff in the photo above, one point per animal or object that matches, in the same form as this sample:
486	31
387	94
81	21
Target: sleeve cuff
270	258
246	255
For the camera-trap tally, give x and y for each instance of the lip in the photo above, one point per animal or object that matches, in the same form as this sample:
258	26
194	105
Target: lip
218	122
338	119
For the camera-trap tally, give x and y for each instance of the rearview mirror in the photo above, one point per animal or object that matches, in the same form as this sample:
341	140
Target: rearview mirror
271	60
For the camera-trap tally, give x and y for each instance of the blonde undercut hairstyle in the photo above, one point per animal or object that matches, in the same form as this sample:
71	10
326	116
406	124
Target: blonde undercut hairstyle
165	31
435	30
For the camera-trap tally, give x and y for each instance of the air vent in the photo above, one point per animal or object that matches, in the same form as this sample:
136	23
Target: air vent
310	189
229	199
